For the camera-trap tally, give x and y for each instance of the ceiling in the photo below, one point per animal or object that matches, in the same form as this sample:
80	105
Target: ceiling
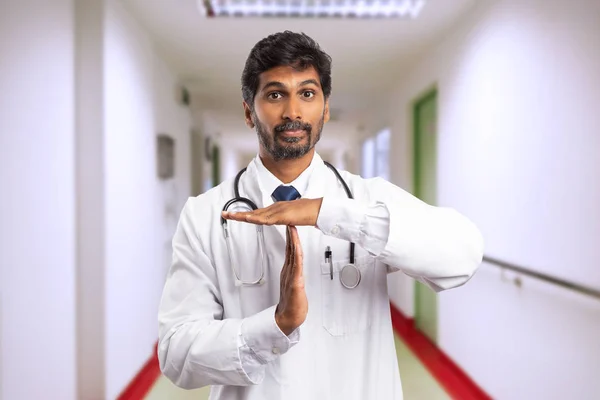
369	56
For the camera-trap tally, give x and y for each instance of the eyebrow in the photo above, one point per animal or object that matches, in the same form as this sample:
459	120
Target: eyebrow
279	85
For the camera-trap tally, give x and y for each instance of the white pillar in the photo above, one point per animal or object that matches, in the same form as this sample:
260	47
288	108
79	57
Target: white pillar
90	184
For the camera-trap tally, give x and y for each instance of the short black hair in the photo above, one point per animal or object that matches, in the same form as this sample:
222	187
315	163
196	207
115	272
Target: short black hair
286	48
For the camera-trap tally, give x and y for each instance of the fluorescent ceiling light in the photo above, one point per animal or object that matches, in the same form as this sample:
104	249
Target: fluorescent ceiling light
312	8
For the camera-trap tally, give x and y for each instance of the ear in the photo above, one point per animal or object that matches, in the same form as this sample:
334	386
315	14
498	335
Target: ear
248	116
326	113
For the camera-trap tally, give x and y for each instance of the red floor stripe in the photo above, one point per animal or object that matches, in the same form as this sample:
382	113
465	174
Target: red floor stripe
458	384
452	378
143	381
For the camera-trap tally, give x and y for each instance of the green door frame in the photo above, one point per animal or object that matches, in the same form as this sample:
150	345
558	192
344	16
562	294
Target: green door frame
425	299
416	106
216	165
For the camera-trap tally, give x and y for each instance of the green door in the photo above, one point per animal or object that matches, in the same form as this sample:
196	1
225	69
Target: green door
425	163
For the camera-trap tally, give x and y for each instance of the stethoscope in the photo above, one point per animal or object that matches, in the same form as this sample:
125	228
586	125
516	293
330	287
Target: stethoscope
349	275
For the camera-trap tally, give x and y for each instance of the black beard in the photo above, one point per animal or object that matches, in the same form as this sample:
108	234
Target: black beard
290	150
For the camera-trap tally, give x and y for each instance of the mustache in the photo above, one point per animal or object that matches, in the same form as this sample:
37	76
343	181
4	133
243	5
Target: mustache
293	126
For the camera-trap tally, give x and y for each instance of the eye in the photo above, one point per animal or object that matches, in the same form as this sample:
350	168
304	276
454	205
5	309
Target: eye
308	94
274	96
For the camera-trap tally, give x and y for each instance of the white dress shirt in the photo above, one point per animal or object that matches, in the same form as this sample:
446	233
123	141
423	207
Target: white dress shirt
212	332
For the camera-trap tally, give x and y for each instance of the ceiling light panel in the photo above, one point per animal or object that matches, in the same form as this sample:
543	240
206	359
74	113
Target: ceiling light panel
312	8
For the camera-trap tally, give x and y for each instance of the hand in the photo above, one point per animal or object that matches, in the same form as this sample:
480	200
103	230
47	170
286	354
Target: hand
301	212
293	304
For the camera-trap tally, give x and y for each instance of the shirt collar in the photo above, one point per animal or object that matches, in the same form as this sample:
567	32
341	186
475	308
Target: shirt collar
269	182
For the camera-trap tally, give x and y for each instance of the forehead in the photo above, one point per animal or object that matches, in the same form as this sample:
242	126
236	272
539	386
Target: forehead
288	76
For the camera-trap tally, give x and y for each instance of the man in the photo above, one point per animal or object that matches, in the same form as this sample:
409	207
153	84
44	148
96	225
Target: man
300	332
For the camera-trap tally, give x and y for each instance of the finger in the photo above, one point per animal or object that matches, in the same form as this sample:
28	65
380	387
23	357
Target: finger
275	214
236	216
254	217
285	269
298	255
272	215
288	247
288	267
292	248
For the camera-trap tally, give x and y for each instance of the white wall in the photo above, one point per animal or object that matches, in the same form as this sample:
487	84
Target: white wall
173	118
37	232
518	153
139	103
84	218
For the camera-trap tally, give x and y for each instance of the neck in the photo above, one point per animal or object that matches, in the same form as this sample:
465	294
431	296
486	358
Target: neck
286	170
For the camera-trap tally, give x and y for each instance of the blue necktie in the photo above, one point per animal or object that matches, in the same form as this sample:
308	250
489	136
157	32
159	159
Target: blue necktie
285	193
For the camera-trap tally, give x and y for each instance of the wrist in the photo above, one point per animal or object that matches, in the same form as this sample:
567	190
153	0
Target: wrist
283	324
318	202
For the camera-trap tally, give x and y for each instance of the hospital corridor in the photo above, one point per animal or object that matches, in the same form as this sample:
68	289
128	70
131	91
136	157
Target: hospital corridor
115	115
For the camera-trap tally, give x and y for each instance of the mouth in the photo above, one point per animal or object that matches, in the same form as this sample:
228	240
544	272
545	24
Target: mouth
293	133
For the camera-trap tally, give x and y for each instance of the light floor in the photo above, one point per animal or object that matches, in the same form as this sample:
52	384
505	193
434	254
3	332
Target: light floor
417	383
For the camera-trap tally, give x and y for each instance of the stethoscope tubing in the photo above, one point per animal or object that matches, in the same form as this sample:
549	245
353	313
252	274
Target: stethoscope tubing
237	198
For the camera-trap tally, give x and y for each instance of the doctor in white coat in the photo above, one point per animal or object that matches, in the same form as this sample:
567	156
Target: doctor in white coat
274	316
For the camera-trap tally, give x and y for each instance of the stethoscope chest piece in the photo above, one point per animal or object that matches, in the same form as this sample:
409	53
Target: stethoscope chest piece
350	276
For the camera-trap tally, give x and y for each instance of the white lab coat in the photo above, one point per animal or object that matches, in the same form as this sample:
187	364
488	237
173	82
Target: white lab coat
212	332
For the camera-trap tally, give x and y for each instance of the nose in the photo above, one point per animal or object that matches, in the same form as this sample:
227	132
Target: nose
292	109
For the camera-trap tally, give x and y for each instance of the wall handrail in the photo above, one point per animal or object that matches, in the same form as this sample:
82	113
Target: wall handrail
543	277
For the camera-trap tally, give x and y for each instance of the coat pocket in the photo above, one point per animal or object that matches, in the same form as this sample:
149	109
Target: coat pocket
348	311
